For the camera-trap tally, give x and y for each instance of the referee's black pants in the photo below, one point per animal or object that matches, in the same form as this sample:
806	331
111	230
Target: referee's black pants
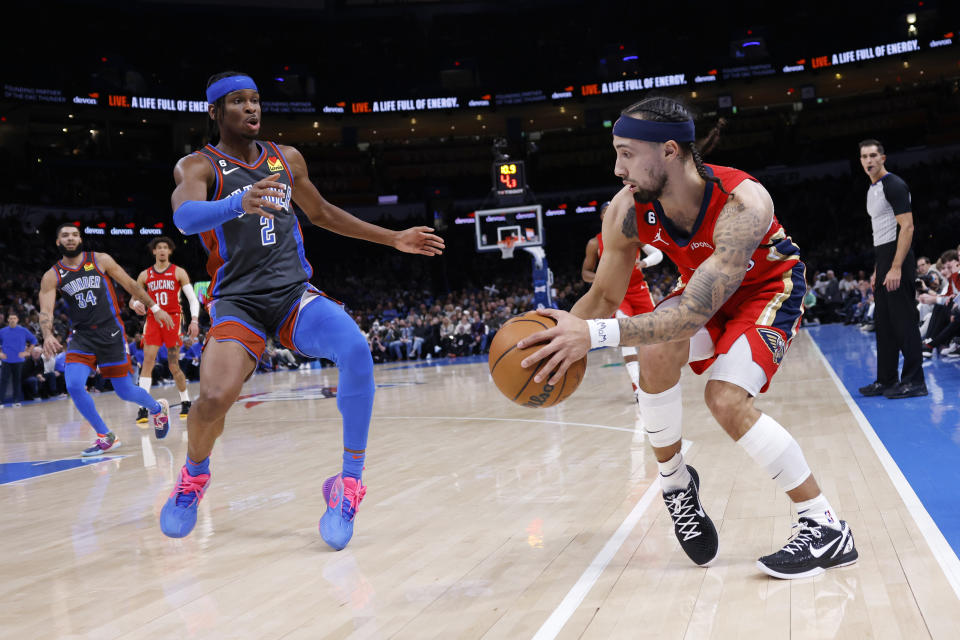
896	321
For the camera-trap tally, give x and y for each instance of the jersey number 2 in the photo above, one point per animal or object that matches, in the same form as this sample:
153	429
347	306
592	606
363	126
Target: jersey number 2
267	236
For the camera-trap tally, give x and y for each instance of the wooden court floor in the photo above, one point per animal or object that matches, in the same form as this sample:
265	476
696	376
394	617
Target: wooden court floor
483	520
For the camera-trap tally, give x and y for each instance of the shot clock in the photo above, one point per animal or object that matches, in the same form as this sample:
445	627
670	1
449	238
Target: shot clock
509	178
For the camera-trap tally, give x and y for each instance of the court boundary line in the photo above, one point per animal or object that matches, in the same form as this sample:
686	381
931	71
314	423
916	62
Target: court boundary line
552	626
91	461
942	552
470	419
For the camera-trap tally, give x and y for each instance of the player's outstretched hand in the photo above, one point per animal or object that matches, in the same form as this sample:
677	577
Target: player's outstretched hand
138	308
565	344
419	240
163	318
254	198
51	346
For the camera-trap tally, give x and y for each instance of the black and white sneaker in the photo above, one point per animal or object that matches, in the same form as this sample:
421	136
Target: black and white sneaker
142	416
812	549
693	527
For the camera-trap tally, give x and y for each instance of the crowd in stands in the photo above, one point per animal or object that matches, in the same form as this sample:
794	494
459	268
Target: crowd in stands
406	324
421	325
849	299
400	320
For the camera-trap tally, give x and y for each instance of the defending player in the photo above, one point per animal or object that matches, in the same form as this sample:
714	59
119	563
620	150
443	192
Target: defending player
164	281
738	307
637	300
237	196
98	339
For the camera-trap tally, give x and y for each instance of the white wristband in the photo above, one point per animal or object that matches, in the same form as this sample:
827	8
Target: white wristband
604	333
155	308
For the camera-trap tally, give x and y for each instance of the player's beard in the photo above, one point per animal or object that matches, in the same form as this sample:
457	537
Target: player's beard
649	195
71	253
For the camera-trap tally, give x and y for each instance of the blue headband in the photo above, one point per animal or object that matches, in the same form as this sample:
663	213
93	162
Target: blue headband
223	86
653	131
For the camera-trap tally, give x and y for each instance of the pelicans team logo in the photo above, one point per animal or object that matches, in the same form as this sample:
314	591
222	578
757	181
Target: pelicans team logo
88	266
274	164
774	342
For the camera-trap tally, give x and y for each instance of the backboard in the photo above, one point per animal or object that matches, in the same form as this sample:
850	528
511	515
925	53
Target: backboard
525	224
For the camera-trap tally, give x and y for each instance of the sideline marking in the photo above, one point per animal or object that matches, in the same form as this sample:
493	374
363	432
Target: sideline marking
572	424
554	624
478	419
939	547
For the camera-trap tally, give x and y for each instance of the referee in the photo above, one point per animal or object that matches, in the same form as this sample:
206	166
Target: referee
895	310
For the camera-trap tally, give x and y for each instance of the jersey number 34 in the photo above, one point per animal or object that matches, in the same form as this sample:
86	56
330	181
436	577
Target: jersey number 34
86	299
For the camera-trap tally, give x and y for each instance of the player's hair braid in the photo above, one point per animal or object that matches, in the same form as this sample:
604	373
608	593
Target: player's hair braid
663	109
213	128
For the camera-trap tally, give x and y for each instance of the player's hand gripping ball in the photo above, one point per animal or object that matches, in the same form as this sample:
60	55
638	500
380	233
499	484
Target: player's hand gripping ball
517	383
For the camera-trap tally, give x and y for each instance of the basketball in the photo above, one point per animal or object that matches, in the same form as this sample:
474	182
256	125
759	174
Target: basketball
517	383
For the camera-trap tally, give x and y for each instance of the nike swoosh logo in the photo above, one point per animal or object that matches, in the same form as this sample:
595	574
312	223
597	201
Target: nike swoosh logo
225	172
817	553
114	333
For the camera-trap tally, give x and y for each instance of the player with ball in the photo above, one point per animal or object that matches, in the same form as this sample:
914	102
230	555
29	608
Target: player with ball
735	312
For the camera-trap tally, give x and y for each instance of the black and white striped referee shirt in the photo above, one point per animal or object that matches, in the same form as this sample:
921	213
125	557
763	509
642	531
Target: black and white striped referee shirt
887	198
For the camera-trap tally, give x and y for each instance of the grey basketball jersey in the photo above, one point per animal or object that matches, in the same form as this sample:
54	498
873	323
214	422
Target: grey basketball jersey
253	253
91	300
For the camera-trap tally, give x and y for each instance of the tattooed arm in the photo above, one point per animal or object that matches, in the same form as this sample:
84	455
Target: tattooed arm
612	276
48	296
740	227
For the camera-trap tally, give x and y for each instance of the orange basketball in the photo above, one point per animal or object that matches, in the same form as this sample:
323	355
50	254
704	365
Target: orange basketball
517	383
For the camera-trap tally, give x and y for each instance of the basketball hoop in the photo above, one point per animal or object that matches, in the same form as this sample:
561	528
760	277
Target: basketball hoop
506	247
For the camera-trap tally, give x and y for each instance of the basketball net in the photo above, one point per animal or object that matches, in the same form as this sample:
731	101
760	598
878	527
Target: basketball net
506	247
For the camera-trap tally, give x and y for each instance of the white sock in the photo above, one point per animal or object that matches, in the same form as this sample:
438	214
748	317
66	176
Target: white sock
819	510
674	473
185	396
145	383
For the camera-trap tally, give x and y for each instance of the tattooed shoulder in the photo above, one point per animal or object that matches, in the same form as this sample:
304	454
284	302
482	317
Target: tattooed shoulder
629	226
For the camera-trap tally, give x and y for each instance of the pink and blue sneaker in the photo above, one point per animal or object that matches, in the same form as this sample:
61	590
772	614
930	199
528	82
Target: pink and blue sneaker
161	420
103	443
179	514
343	496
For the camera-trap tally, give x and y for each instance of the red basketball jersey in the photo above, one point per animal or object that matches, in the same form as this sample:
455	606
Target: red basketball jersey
775	255
637	283
164	288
